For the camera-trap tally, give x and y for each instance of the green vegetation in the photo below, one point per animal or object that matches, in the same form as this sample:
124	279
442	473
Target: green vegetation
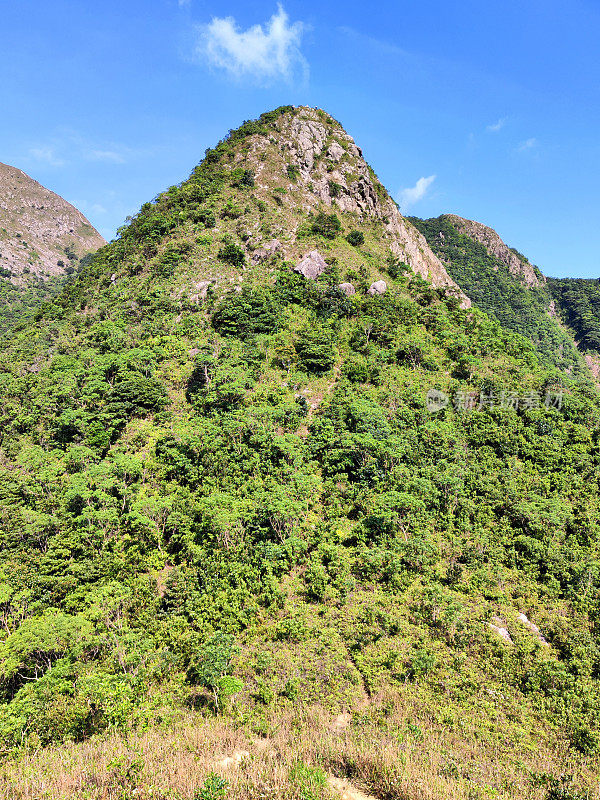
236	505
18	303
355	238
326	225
578	303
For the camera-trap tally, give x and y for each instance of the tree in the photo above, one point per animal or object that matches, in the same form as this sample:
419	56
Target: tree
231	253
212	665
314	350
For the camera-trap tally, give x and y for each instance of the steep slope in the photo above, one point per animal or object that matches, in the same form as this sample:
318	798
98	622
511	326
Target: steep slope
40	233
235	506
502	282
42	239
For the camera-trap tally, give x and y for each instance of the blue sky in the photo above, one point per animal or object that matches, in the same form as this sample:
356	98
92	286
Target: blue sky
486	109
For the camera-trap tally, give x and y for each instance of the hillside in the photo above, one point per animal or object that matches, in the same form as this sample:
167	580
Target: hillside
577	301
250	550
504	284
42	239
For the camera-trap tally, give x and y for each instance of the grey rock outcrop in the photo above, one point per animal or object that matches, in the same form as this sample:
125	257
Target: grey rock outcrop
532	627
326	155
326	168
379	287
499	627
347	288
268	250
41	234
312	265
202	289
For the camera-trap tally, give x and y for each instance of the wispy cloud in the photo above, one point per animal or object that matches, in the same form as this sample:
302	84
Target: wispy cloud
67	146
46	155
412	195
111	156
528	144
497	126
264	54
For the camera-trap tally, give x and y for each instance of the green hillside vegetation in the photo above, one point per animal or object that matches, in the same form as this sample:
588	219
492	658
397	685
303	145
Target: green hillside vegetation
19	303
490	285
578	303
225	519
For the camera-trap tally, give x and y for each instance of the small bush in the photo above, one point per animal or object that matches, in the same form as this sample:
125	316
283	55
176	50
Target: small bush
264	694
311	781
421	663
291	689
335	189
232	254
326	225
396	268
242	178
214	788
315	351
355	238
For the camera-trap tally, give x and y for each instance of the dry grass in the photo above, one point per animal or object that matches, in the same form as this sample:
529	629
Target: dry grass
376	752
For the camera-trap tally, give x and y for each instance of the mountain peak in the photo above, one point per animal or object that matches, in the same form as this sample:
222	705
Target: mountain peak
40	233
312	164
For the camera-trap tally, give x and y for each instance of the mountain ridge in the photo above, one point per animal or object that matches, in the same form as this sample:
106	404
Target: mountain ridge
517	264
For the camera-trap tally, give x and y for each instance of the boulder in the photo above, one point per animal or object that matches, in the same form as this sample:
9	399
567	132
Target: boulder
312	265
379	287
501	631
347	288
532	627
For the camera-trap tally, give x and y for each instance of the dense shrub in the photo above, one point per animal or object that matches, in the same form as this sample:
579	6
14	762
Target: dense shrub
326	225
355	238
233	254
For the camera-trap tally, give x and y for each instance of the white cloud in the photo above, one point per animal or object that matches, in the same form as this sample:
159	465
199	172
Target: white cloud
412	195
68	146
47	155
112	156
497	126
528	144
264	54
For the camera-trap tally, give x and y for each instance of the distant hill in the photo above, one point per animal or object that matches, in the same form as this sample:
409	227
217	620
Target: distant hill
502	282
42	239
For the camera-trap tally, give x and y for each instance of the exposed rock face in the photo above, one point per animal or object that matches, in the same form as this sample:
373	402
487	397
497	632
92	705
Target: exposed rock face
331	171
38	229
312	265
497	248
379	287
347	288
